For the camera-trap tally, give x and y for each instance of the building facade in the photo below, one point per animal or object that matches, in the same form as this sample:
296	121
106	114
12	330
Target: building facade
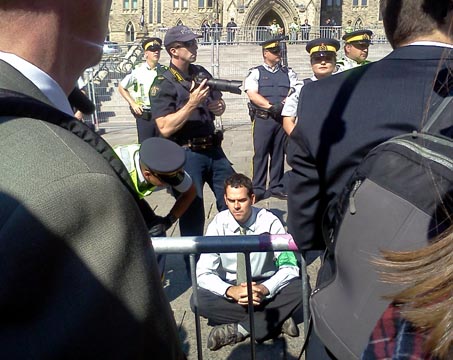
133	19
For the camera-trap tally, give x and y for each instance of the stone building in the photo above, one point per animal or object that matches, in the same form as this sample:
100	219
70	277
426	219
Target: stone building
132	19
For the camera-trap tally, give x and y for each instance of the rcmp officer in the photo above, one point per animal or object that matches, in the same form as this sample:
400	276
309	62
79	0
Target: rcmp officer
267	86
159	162
185	113
135	88
356	44
323	56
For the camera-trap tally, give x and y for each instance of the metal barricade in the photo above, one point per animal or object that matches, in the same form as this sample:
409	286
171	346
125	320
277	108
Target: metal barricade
232	244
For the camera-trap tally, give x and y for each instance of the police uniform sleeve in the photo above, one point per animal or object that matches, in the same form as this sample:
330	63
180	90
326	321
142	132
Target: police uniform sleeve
163	97
304	189
251	81
185	184
128	80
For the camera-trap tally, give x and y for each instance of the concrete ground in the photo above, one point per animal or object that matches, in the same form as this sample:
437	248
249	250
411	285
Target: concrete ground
238	148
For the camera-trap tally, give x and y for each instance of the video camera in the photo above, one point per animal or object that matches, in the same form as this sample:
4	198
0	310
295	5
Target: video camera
231	86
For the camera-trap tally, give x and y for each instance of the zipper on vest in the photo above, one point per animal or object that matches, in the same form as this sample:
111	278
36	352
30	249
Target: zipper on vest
352	207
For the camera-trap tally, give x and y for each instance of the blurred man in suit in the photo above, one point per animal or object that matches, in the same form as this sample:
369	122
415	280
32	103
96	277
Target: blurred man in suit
79	275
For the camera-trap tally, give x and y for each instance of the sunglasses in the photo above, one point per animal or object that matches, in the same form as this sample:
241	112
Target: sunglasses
186	44
274	50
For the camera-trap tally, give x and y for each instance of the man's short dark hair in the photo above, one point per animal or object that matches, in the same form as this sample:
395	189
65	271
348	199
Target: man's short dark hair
237	181
406	20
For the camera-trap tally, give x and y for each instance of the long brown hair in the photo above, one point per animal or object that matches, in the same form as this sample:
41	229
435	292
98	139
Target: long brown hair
427	302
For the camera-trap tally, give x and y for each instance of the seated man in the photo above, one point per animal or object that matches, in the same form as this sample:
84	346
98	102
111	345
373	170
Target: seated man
275	275
159	162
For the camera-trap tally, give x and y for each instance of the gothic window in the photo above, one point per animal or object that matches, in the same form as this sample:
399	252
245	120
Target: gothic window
134	4
126	4
159	11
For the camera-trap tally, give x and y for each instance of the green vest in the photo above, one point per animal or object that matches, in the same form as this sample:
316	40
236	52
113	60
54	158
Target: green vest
127	154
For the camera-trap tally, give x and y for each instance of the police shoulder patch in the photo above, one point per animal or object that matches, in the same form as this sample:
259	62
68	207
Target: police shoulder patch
154	90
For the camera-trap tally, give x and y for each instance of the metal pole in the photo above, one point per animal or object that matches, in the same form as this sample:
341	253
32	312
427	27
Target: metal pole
248	270
193	275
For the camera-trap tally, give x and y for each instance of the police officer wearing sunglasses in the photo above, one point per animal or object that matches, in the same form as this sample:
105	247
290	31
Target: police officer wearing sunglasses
185	113
267	86
323	56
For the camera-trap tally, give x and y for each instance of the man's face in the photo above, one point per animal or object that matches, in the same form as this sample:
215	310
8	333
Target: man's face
187	51
272	56
323	66
239	203
152	56
357	52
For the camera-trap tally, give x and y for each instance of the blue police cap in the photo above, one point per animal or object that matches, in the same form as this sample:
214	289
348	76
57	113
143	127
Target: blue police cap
179	33
162	155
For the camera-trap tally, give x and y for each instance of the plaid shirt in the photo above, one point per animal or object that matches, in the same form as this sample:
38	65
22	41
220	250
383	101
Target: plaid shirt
395	338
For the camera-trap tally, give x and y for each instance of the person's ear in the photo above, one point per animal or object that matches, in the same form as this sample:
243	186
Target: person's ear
225	199
253	198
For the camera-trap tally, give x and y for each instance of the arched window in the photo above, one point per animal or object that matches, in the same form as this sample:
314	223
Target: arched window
130	32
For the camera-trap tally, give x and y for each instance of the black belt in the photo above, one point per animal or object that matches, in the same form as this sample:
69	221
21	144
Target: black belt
201	143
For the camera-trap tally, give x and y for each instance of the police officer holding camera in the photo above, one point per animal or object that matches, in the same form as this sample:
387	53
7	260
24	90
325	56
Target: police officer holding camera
185	112
267	86
134	88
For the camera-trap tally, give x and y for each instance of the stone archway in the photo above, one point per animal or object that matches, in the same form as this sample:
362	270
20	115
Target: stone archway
260	13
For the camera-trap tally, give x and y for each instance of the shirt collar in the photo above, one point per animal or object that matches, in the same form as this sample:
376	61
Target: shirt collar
270	69
431	43
48	86
249	225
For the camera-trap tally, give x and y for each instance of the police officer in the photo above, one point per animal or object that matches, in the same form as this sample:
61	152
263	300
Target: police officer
135	88
159	162
356	44
323	56
185	112
267	86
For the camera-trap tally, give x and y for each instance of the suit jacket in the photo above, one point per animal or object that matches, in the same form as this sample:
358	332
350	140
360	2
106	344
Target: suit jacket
344	116
78	275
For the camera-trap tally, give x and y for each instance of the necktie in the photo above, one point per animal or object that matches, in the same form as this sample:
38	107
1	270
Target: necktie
241	274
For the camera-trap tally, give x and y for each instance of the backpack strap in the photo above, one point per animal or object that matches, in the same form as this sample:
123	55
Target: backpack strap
16	104
442	113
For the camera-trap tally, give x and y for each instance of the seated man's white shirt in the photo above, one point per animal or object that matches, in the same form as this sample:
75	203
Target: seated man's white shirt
216	272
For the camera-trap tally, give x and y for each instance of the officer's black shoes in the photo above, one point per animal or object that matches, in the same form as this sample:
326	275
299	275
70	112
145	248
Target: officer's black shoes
222	335
290	328
279	194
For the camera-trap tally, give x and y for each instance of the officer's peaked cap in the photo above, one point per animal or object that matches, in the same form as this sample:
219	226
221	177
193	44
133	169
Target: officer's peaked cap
162	155
270	44
152	43
322	46
179	33
359	36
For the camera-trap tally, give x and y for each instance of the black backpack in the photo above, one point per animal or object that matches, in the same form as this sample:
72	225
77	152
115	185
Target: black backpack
398	198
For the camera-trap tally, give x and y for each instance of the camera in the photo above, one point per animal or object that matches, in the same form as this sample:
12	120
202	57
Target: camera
231	86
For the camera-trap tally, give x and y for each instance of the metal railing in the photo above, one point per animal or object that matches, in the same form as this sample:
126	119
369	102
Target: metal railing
246	244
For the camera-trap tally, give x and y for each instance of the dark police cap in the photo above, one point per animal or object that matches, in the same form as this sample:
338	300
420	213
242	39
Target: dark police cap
322	46
162	155
180	33
270	44
152	43
359	36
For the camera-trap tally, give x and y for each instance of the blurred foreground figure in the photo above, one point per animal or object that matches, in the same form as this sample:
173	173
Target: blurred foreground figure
79	277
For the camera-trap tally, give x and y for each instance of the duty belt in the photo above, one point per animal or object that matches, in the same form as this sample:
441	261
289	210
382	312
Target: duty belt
202	143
